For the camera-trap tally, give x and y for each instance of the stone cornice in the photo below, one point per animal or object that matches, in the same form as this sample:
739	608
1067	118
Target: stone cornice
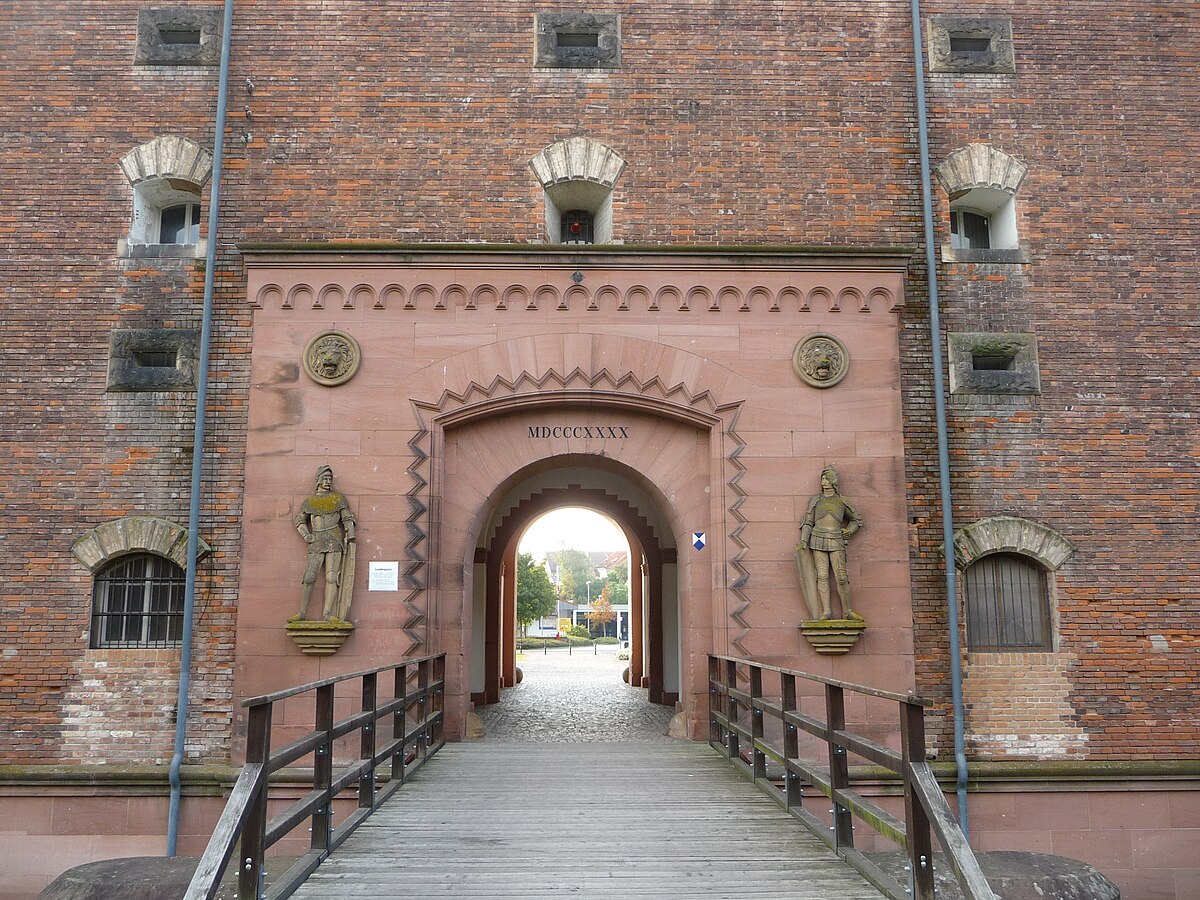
387	253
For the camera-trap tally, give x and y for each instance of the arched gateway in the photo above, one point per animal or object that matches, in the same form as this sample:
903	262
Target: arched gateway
660	390
654	594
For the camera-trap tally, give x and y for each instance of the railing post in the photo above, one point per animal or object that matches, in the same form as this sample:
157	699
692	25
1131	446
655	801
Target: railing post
757	733
839	765
322	817
254	834
916	820
715	732
423	706
793	791
399	720
733	745
439	698
366	743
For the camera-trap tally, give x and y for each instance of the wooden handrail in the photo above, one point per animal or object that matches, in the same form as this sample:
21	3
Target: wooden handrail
738	707
313	685
416	735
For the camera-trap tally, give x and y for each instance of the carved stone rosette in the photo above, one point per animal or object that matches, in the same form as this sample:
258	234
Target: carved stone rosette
821	360
332	358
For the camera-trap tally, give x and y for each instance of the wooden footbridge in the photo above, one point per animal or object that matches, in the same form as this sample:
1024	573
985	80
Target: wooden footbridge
738	817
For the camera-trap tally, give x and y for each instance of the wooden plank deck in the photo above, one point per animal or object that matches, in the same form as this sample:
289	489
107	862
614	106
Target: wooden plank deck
582	820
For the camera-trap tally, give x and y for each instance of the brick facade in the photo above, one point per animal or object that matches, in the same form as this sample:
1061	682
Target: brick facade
784	123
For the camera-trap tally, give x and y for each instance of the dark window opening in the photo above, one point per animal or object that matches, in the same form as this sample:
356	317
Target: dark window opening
179	35
578	39
1007	604
962	44
138	602
992	362
156	359
578	227
969	231
180	224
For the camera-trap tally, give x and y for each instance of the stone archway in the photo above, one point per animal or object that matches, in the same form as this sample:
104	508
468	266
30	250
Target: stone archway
648	556
659	476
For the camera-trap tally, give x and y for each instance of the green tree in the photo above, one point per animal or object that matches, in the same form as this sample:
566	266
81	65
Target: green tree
577	570
617	583
535	593
601	612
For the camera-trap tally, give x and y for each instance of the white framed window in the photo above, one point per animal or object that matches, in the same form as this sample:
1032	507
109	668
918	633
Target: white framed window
969	230
982	183
179	224
167	175
983	219
164	214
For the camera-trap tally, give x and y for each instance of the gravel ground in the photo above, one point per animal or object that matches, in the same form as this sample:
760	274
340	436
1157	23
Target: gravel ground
576	697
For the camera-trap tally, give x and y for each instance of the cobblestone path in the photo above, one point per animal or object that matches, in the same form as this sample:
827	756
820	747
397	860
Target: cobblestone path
574	698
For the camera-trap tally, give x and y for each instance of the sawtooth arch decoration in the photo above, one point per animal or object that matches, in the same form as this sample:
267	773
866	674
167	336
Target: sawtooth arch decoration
615	388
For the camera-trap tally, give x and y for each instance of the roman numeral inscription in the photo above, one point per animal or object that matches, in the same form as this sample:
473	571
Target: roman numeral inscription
599	432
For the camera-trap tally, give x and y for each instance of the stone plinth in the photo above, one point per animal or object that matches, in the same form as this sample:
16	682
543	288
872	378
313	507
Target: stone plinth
319	638
833	637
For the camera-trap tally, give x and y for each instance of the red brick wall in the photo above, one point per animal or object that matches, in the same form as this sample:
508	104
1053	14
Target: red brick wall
74	456
1101	110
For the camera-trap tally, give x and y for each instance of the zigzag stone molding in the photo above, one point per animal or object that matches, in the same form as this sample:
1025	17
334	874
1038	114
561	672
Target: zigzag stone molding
624	388
135	534
696	297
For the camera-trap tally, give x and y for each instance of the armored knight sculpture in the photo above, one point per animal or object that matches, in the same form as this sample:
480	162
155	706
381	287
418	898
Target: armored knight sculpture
827	526
327	525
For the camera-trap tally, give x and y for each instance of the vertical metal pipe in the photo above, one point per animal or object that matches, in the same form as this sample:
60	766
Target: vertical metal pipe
189	592
939	404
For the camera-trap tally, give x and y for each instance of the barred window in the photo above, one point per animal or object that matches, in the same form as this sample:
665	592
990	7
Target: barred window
578	227
1008	607
138	602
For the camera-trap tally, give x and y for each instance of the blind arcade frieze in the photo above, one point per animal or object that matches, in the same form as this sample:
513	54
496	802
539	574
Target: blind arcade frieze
691	290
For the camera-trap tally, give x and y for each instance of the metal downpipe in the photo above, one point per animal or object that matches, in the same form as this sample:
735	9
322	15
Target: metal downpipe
939	404
189	591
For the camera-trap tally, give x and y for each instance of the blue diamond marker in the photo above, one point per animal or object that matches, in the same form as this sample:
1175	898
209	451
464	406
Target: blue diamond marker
698	540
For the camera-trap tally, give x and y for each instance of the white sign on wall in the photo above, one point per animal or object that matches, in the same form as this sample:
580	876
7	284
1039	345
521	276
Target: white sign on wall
383	576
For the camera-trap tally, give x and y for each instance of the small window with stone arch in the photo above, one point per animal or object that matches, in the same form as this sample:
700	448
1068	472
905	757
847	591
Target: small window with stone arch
1008	604
138	602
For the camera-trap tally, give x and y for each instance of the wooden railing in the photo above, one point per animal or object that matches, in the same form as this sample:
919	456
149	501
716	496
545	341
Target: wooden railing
415	709
738	710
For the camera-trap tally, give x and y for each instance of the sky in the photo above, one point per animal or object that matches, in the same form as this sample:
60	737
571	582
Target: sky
581	529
